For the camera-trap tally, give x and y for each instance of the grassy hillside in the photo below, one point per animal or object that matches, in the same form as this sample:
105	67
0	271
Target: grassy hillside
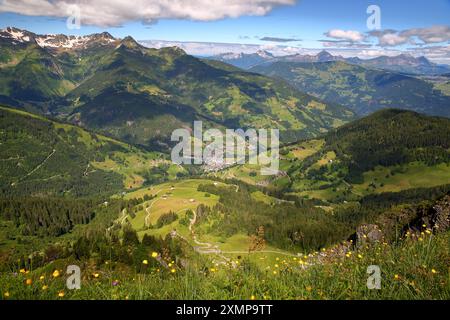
363	90
141	95
414	266
40	157
140	88
389	151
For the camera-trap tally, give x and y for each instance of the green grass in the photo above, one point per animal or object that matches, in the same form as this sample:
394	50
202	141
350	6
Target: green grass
175	196
412	269
413	175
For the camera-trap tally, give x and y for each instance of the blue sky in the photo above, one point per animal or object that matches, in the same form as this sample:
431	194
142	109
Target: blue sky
308	20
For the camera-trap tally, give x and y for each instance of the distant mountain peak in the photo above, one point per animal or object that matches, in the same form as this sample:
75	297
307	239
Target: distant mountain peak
55	41
265	54
17	35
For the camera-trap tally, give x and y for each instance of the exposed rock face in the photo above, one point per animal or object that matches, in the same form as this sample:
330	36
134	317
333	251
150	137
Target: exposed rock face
368	233
441	216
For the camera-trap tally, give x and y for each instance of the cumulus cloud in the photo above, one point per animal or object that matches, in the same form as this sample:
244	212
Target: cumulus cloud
349	35
417	36
109	13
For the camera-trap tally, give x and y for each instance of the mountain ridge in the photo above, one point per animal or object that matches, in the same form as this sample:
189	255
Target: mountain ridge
140	94
402	63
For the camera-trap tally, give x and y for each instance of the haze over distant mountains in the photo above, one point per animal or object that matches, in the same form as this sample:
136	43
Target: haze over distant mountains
403	63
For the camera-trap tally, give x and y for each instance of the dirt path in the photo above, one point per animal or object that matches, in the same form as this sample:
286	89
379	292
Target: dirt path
36	168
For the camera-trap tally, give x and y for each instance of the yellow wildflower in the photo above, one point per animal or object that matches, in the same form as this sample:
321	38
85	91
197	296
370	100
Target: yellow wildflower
42	277
433	271
61	294
173	270
45	287
55	274
6	294
29	282
145	261
252	297
154	254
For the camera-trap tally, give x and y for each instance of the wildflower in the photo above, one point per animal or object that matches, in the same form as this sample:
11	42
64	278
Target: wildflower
55	274
252	297
6	294
145	262
213	270
44	287
61	294
420	239
29	282
96	275
173	270
276	266
42	277
22	270
360	256
170	264
154	254
433	271
115	283
424	225
275	272
309	288
396	277
428	231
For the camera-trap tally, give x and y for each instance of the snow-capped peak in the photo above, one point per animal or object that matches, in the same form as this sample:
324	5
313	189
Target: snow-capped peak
16	35
264	54
69	42
53	41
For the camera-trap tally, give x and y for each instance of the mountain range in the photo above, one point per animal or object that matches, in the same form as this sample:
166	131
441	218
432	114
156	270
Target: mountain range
402	63
119	88
362	89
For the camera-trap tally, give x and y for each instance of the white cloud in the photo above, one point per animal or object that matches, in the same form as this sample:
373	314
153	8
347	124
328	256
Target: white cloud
433	34
107	13
417	36
392	39
349	35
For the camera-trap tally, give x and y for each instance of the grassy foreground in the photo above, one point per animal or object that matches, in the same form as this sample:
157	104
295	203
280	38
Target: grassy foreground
416	267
